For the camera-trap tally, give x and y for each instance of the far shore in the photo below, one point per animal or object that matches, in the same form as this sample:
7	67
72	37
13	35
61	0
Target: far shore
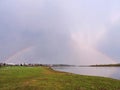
106	65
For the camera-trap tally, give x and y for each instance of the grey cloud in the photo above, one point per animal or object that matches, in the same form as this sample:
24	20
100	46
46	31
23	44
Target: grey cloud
111	43
47	26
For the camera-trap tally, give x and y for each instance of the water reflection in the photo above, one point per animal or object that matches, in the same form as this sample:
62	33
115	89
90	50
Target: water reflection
112	72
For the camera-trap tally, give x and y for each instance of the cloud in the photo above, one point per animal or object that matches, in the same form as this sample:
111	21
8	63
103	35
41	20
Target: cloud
61	31
110	44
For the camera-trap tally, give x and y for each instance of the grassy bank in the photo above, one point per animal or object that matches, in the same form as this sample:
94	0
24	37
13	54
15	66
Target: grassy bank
44	78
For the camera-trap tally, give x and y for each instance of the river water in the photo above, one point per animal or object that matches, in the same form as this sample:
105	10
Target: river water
111	72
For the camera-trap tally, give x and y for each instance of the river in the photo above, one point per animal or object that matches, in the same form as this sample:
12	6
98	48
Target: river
111	72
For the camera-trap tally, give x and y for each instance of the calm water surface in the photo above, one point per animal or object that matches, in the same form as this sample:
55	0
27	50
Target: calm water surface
112	72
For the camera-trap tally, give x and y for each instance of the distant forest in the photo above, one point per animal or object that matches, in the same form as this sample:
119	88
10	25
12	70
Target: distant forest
106	65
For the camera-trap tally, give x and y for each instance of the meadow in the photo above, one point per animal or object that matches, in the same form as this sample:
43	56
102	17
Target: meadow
44	78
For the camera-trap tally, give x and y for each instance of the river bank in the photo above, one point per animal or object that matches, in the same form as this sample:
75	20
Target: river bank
45	78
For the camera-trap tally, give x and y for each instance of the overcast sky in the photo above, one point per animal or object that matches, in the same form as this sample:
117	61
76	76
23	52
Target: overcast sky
60	31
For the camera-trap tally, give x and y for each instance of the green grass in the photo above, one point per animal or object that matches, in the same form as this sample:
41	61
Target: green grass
44	78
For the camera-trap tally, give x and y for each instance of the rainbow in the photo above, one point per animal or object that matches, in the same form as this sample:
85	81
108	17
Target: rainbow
21	52
87	54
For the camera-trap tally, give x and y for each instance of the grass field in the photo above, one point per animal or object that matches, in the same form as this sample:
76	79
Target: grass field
44	78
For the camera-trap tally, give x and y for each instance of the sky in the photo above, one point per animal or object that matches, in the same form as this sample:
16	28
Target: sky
60	31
